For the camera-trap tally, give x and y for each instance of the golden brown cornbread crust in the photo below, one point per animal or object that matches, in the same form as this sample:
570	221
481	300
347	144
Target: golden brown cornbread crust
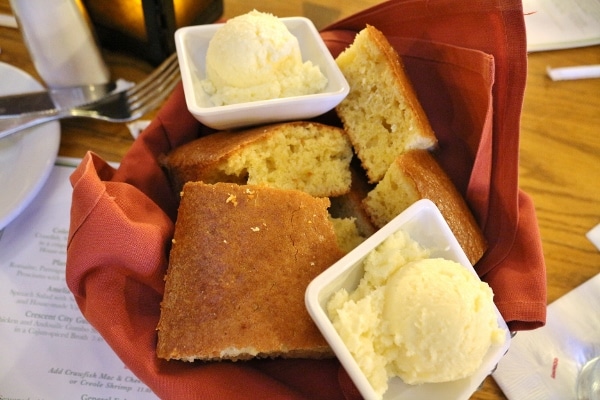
417	175
241	260
301	155
381	113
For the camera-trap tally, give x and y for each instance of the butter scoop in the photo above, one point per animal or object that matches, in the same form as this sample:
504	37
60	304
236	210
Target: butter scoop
442	319
423	319
255	57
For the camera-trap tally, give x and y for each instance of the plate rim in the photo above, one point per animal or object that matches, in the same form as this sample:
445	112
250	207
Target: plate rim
46	139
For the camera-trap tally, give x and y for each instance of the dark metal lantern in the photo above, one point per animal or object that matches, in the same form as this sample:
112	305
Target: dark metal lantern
146	28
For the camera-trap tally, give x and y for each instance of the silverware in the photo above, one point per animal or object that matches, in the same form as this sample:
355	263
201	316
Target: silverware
54	98
121	106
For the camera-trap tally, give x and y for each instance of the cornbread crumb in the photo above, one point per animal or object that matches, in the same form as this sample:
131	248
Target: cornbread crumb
232	199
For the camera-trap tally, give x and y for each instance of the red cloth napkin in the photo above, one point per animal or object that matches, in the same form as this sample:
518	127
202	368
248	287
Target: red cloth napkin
467	61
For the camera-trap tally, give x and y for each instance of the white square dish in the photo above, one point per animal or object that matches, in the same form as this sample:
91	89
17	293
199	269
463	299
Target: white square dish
192	44
424	223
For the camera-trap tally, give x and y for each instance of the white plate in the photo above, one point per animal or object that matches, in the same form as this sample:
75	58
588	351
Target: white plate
26	158
425	224
192	44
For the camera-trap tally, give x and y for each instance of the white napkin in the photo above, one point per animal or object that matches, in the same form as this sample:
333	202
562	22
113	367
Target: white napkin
137	127
544	363
8	21
594	236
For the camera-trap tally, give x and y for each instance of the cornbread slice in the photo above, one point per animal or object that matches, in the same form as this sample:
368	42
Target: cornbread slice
381	114
241	260
416	175
347	233
350	205
306	156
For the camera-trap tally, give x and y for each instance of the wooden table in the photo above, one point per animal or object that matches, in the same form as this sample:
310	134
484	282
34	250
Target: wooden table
560	141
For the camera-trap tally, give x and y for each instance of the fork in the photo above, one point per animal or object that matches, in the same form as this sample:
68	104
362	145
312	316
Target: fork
122	106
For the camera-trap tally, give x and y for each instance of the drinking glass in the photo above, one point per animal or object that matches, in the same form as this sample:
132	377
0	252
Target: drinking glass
61	42
588	380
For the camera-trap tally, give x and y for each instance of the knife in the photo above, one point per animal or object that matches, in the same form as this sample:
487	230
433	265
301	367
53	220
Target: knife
53	98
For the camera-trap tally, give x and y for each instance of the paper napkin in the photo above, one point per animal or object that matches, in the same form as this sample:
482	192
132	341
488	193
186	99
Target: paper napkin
544	363
594	236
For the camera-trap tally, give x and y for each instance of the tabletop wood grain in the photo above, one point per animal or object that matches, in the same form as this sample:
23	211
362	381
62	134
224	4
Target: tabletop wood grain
559	148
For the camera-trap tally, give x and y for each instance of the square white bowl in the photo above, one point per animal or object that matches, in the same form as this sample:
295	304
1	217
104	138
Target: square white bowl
426	225
192	43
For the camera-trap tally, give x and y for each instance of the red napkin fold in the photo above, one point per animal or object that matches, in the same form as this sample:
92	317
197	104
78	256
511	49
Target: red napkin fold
467	61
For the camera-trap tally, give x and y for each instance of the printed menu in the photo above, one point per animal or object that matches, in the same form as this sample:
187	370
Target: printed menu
47	348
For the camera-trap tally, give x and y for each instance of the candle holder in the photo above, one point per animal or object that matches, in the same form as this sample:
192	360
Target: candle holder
146	28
